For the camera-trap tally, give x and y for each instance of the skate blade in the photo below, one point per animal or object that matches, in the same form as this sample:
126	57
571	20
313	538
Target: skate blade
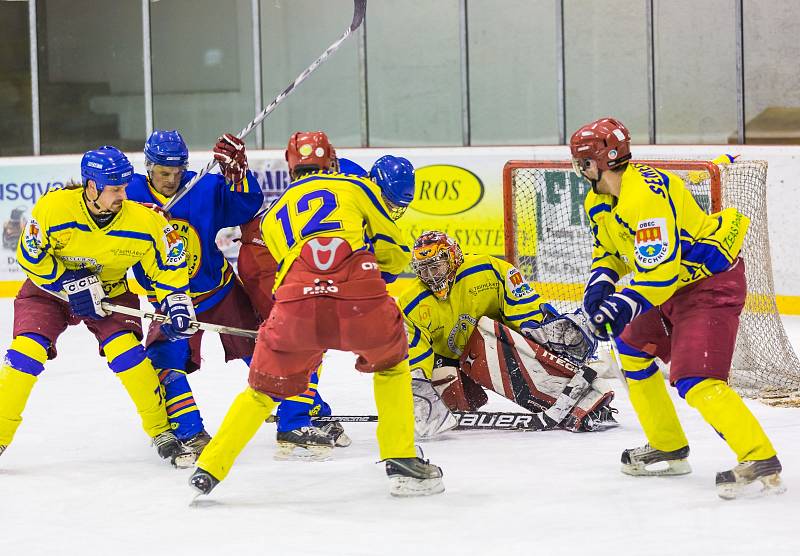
673	468
184	460
770	485
287	451
407	487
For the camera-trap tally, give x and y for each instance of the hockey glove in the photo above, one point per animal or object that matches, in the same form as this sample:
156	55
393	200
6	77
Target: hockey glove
598	288
617	310
85	293
232	157
570	335
180	310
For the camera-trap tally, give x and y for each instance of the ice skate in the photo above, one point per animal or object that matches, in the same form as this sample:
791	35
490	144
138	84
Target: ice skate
305	443
192	448
732	484
203	481
169	447
637	461
335	432
2	449
413	477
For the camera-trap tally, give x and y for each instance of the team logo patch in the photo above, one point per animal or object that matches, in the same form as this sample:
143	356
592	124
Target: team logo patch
652	242
33	238
176	250
517	284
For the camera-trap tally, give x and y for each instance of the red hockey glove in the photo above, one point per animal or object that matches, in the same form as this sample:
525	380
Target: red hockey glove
232	157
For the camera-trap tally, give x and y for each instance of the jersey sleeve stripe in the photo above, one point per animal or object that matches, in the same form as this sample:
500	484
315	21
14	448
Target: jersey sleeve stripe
655	283
422	357
415	340
387	239
597	209
49	276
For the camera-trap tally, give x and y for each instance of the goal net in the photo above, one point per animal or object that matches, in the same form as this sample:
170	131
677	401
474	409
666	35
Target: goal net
547	236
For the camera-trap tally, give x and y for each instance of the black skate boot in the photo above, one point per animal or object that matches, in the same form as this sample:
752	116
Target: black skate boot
335	432
169	447
413	477
2	448
731	484
306	443
635	461
203	481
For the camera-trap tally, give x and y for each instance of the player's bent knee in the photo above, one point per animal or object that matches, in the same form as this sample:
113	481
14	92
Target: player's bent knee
123	352
684	385
169	355
28	353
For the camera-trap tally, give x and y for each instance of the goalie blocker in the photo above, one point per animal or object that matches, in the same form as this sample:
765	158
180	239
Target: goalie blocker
565	395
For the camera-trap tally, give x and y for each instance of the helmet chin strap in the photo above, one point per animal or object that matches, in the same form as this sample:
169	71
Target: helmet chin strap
97	207
594	182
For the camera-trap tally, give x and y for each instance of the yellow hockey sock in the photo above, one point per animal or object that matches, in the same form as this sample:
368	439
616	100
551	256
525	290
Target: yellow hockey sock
395	404
126	358
656	413
16	383
244	418
723	409
15	387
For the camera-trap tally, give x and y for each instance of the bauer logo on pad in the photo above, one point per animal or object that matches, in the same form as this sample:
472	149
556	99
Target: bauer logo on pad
652	242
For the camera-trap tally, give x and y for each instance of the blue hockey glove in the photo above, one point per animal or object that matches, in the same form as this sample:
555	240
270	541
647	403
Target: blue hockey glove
180	310
598	288
617	310
85	293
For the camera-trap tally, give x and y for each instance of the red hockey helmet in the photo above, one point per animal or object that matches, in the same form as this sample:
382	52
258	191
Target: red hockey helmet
606	141
309	150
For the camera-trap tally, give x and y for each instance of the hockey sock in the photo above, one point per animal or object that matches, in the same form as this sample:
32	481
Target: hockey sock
182	411
723	409
24	362
656	411
395	404
126	357
296	411
245	416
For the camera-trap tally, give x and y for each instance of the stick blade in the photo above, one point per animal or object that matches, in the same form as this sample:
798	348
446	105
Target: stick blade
359	11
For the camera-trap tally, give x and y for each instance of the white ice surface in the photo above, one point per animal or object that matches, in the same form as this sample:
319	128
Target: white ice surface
80	478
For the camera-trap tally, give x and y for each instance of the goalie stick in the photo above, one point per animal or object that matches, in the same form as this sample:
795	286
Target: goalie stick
467	420
359	10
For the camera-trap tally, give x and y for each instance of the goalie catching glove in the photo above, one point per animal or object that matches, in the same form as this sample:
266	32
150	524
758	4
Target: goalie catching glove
232	157
568	335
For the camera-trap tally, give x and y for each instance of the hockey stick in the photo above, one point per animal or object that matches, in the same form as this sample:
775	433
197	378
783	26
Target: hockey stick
164	319
618	370
359	10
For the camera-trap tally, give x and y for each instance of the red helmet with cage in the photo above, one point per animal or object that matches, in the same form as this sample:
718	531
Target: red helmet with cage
309	150
606	141
435	260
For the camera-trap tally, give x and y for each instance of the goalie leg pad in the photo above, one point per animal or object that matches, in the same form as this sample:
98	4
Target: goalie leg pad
458	391
431	415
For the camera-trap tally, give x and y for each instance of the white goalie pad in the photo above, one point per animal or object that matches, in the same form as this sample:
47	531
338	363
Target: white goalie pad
537	379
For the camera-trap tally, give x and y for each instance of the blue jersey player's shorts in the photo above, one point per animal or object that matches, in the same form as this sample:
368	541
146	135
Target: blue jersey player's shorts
234	310
695	330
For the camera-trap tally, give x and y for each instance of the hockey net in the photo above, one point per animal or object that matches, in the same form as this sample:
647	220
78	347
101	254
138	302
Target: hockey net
547	236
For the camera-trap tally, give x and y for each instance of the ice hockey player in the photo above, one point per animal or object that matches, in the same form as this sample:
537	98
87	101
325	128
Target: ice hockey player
443	308
682	305
79	244
296	435
333	235
217	201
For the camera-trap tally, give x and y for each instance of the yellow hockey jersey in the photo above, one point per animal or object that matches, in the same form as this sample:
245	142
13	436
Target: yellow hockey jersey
62	235
656	230
484	286
333	205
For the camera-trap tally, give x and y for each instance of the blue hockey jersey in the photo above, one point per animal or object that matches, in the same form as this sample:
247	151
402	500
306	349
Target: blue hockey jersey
213	204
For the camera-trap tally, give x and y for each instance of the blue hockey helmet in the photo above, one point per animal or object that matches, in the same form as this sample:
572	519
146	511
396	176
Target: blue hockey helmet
395	176
166	148
106	166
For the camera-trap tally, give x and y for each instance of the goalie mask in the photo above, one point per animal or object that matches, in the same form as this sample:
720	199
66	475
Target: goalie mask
435	261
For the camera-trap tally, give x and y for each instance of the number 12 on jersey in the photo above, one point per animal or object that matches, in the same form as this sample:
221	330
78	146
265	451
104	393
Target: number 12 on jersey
316	220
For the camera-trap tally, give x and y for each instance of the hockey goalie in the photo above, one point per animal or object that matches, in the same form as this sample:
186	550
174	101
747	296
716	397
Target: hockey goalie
474	323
